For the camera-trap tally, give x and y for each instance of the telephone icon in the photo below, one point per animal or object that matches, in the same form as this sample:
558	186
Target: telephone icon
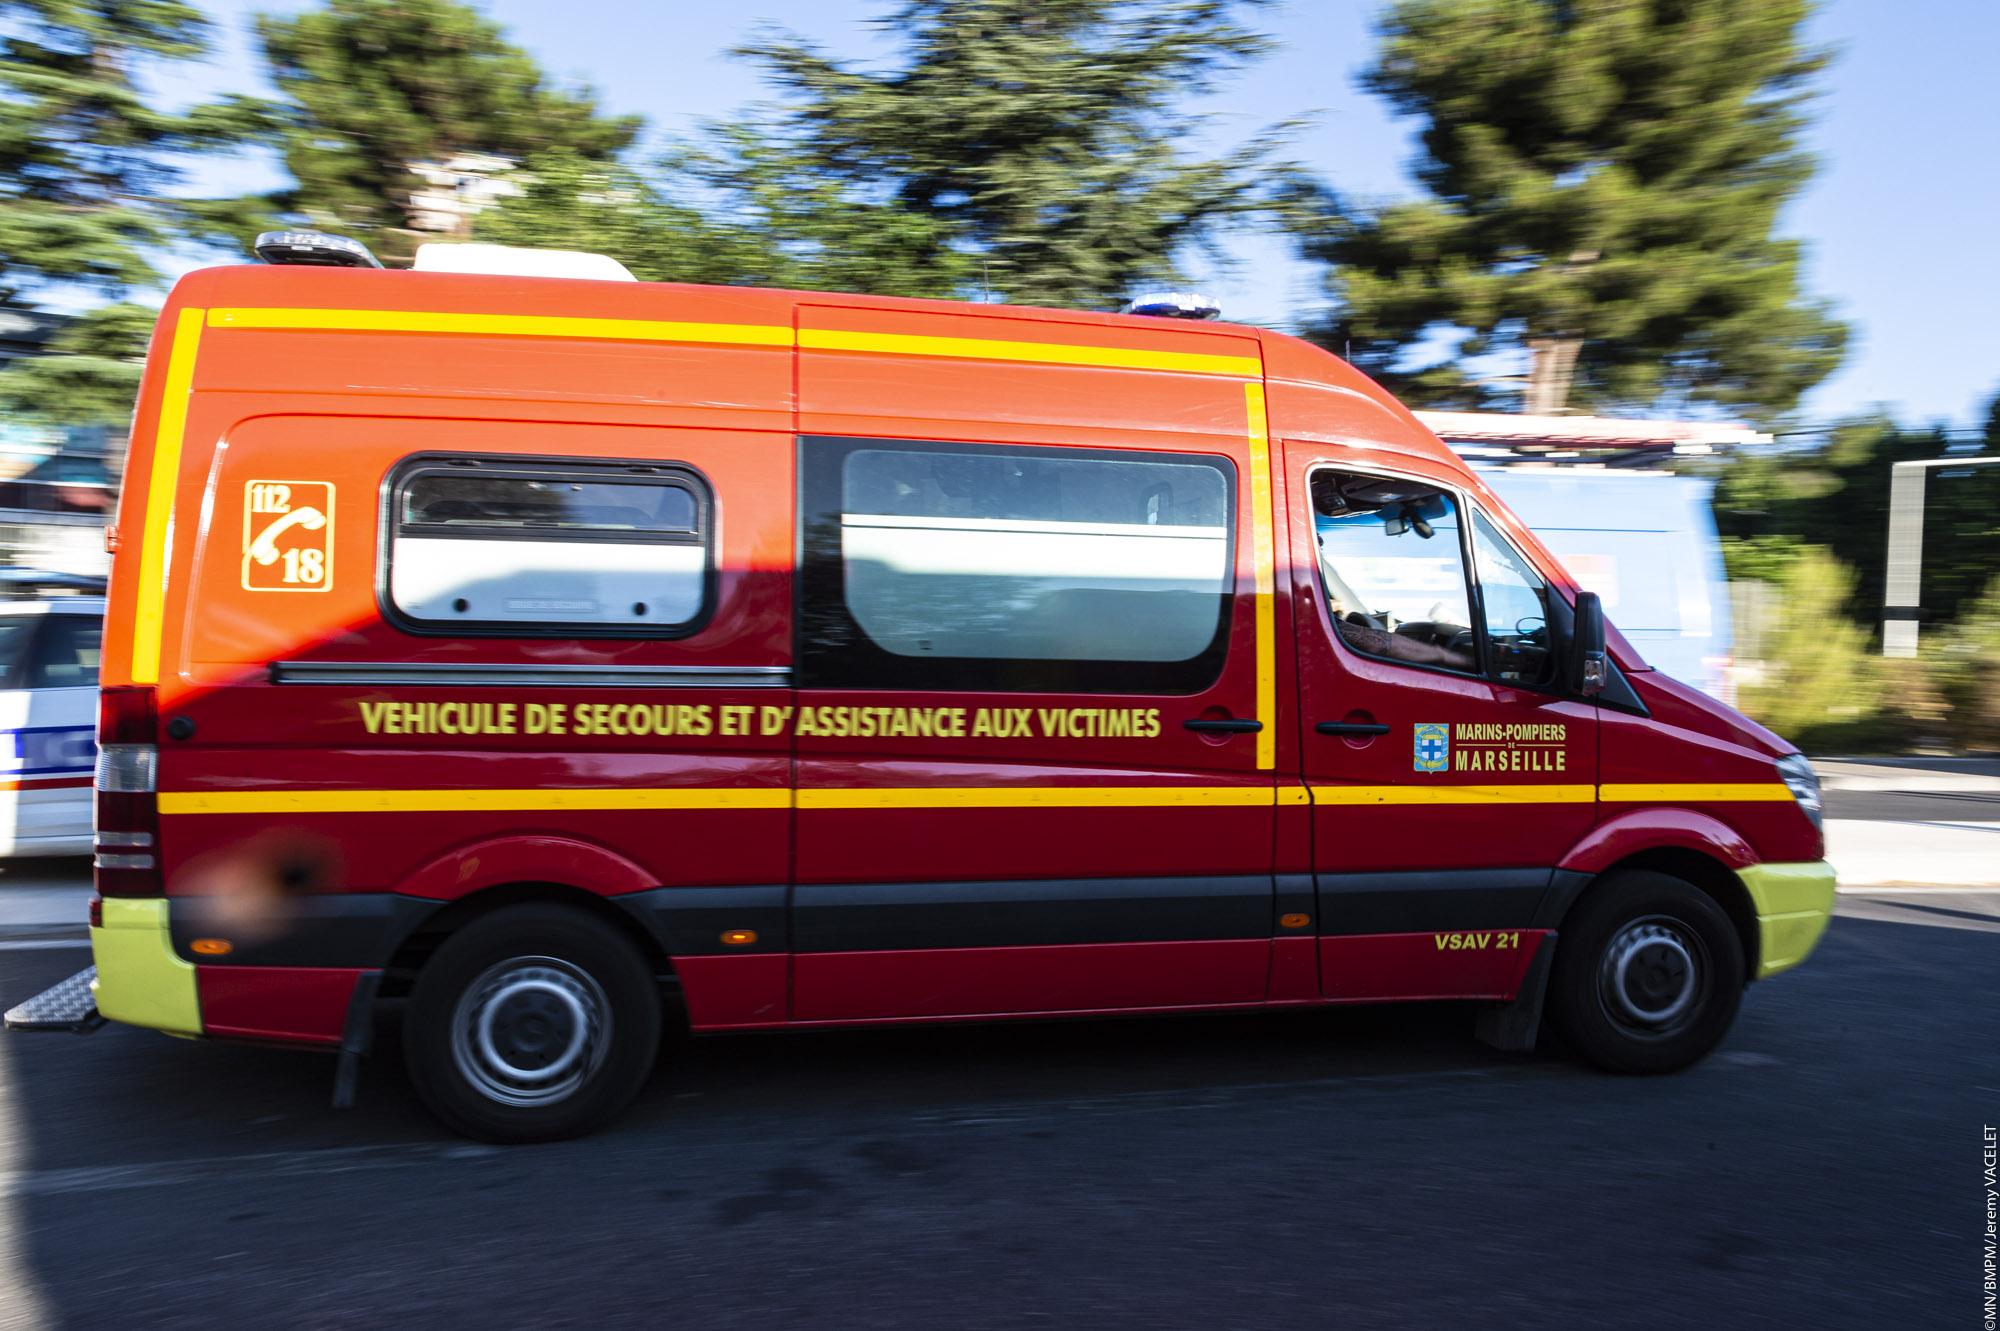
265	548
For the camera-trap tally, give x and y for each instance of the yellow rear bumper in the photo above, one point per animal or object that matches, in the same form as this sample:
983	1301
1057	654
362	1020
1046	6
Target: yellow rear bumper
140	979
1794	903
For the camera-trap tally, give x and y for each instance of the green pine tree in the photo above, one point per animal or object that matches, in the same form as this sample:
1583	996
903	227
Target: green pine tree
732	208
89	372
1043	139
373	87
570	203
88	170
1604	182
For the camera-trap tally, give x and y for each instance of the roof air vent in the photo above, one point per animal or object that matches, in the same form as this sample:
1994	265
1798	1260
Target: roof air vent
518	261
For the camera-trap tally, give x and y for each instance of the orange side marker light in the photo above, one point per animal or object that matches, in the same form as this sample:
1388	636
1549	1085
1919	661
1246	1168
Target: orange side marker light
739	937
1294	921
213	947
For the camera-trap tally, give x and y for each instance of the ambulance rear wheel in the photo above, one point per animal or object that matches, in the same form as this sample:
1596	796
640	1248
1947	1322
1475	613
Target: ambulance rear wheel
1648	973
530	1024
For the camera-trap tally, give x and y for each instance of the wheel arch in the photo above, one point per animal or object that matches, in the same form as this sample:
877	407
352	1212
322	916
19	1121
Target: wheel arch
423	940
1714	878
533	857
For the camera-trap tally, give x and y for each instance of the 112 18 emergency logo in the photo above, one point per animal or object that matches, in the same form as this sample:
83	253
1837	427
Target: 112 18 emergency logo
287	536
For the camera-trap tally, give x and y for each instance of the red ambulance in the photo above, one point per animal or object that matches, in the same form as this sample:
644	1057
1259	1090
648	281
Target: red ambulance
553	659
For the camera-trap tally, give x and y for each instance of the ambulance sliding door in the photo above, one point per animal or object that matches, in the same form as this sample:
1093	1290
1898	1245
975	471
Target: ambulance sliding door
1034	742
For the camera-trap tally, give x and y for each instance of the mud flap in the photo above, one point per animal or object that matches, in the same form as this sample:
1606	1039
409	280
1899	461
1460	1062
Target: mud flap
1512	1026
357	1038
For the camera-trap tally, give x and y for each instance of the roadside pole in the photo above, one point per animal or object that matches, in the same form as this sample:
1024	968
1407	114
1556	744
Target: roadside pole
1901	602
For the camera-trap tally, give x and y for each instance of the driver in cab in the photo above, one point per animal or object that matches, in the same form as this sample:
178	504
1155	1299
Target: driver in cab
1388	510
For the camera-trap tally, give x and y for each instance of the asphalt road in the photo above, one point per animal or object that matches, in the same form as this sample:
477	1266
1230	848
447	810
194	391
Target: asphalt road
1351	1169
1914	806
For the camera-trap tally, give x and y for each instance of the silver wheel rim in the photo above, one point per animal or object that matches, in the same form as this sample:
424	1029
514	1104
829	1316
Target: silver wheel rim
530	1030
1654	974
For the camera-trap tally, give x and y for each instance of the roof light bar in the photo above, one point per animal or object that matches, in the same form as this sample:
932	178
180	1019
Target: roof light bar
313	249
1174	305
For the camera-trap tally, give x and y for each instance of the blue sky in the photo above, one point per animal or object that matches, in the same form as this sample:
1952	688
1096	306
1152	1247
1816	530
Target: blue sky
1900	223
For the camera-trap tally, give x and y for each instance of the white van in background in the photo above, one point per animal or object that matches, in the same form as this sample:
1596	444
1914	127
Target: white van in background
48	723
1644	541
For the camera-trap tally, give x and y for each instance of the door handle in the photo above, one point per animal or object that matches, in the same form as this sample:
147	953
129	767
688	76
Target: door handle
1226	726
1351	728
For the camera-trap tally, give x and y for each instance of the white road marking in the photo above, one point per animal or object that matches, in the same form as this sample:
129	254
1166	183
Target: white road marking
1915	783
38	944
212	1169
1913	853
1916	890
1747	1058
36	905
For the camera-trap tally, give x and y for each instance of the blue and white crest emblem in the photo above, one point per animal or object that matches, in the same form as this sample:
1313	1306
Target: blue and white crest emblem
1433	748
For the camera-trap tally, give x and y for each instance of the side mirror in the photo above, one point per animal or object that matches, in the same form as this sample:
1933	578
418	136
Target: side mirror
1589	667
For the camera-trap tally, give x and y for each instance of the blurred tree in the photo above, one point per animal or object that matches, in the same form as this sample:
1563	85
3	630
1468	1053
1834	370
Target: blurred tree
1604	183
1044	139
1834	493
1965	660
733	208
87	170
373	87
86	163
89	374
1820	685
568	202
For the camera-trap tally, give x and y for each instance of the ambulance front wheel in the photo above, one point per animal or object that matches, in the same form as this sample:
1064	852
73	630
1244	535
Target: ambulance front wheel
530	1024
1648	973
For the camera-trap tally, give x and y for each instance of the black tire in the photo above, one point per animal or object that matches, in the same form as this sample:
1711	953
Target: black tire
534	1023
1648	973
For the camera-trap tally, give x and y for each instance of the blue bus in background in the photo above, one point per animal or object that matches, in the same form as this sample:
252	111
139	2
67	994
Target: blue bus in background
1646	542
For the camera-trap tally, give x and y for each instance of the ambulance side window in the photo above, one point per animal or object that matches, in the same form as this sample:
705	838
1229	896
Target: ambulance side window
1393	569
1516	603
965	566
495	545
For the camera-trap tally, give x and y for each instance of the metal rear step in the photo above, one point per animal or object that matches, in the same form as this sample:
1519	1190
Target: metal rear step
69	1006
